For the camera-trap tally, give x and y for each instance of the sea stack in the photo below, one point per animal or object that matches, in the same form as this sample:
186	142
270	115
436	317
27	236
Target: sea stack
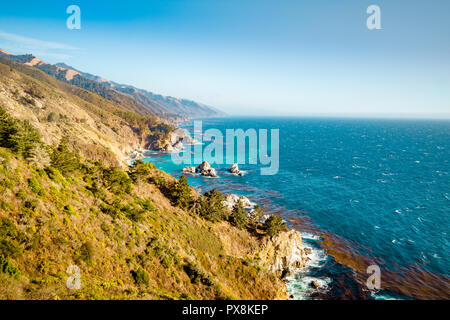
235	170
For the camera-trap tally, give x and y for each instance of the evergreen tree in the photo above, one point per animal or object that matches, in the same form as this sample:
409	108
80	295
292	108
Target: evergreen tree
19	136
24	139
117	181
256	214
64	159
182	193
274	225
238	216
139	170
8	127
212	206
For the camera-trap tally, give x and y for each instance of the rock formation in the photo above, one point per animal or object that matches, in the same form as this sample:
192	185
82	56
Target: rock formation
235	170
231	200
284	253
204	169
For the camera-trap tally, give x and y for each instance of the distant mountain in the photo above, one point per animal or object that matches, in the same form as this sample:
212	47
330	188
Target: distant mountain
175	106
137	100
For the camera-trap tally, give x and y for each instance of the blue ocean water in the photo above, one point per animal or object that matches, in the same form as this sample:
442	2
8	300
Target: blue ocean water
381	185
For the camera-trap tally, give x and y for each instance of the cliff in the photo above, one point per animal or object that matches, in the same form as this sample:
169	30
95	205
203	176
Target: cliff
284	253
69	202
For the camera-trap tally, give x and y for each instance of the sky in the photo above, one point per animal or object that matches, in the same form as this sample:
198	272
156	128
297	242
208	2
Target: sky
247	57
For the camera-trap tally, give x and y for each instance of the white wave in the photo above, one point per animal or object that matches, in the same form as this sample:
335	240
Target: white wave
310	236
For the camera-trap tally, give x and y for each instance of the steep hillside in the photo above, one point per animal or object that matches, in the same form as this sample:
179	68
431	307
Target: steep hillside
71	228
75	78
76	222
98	128
139	101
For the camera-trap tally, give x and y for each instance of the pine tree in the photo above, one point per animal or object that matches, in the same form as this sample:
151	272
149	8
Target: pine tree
24	139
256	214
238	216
212	206
182	193
19	136
64	159
274	225
139	170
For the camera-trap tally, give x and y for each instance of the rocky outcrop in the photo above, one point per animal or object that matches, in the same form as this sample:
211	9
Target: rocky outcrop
284	253
137	154
231	200
190	170
204	169
234	169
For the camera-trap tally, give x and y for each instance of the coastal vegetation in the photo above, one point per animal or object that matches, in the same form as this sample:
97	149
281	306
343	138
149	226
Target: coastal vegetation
134	232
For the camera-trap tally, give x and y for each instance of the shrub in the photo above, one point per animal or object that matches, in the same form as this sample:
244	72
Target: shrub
274	225
36	186
211	206
52	117
6	183
31	204
141	276
139	170
21	194
117	181
7	267
87	252
68	209
56	176
111	210
196	274
10	239
256	214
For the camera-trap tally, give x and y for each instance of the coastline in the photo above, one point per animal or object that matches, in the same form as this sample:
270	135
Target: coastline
309	256
403	284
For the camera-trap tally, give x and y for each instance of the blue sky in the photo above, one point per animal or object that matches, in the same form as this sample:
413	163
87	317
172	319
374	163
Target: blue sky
251	57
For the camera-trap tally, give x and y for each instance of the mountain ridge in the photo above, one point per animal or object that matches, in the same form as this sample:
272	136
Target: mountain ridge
172	104
140	101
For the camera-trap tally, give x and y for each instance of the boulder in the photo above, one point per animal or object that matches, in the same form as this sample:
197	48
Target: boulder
136	155
204	166
167	148
314	284
235	170
231	200
264	218
210	172
204	169
190	170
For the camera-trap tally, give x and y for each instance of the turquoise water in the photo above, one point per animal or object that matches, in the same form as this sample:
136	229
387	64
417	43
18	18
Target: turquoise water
381	185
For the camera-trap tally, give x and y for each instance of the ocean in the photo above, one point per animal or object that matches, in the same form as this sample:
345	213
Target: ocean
362	192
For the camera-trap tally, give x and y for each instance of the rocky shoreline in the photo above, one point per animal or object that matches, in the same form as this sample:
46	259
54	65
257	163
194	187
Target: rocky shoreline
283	254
